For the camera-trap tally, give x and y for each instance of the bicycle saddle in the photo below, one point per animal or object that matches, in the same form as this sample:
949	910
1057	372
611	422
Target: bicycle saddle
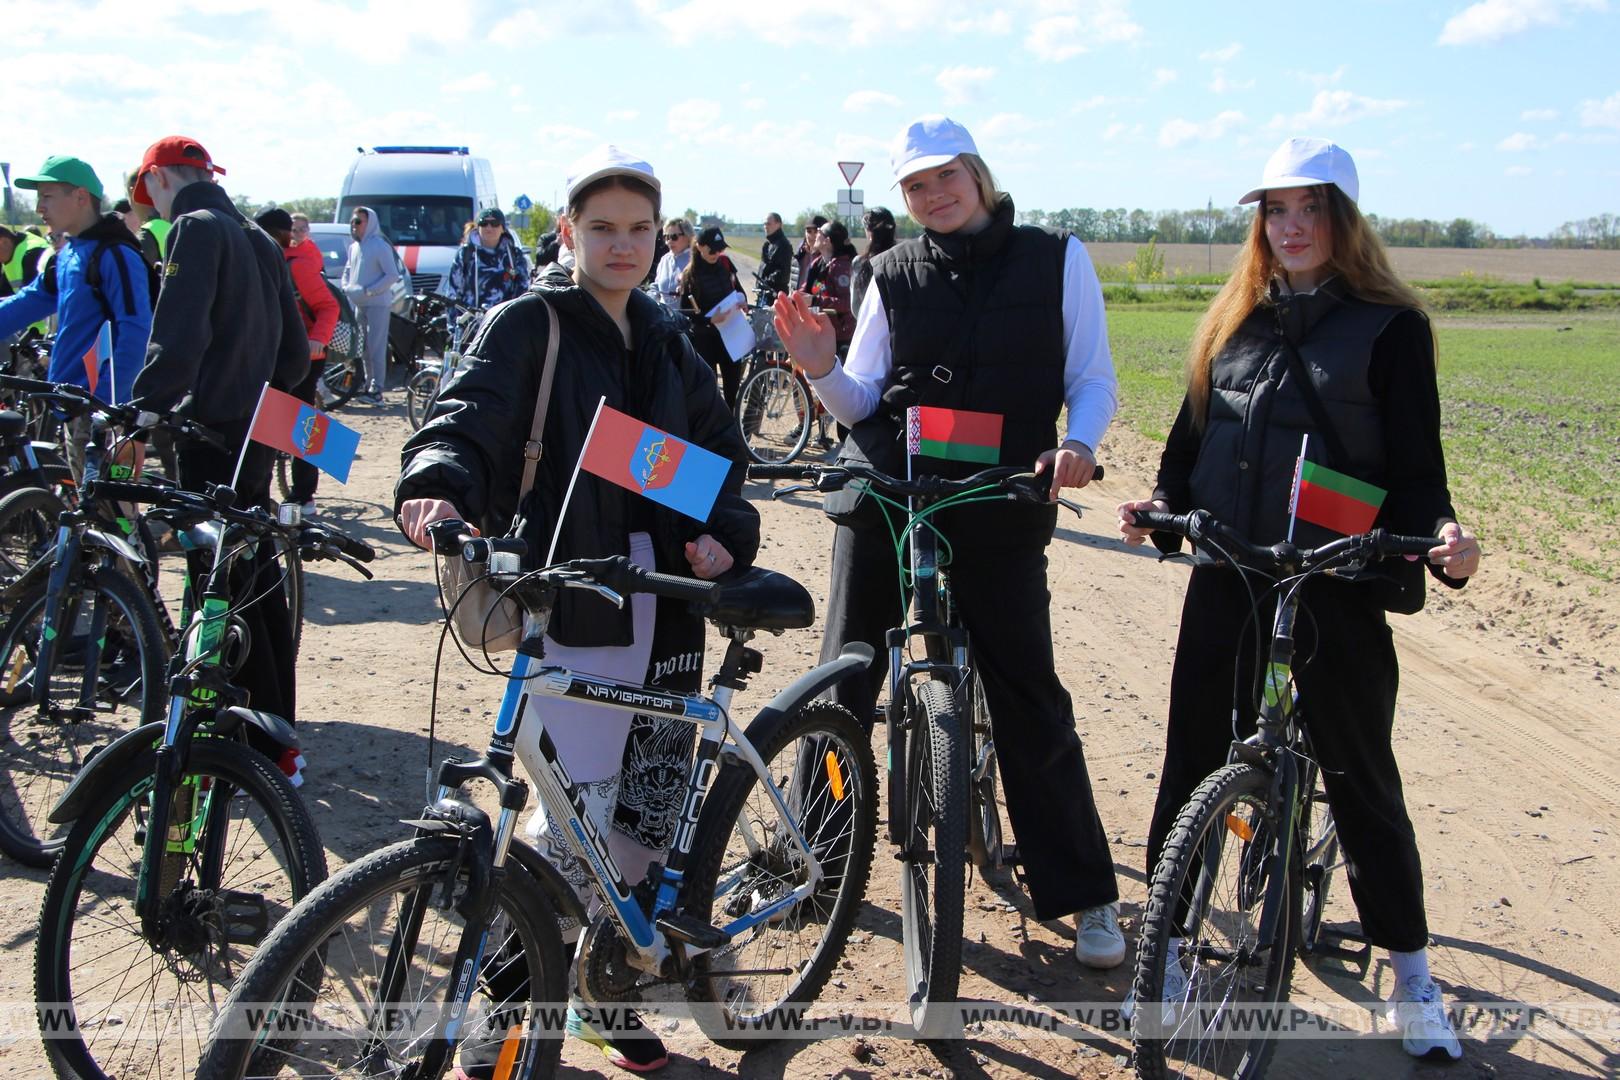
12	424
759	599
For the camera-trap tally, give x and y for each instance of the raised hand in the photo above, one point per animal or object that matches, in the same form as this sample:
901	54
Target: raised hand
808	335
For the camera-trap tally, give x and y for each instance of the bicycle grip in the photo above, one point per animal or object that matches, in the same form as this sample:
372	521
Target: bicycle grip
674	588
781	472
1392	544
348	545
124	491
1160	521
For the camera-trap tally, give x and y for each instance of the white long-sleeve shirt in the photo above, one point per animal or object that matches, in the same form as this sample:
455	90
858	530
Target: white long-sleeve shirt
851	390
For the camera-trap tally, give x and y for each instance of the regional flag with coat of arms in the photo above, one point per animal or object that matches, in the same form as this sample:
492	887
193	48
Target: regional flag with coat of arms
298	428
640	458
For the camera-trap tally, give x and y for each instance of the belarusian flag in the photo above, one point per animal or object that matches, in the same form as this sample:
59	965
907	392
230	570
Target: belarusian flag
954	434
1335	501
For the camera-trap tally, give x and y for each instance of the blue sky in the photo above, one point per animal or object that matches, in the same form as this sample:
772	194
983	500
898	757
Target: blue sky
1506	111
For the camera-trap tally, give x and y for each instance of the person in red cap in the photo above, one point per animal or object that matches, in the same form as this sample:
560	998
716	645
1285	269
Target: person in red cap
226	323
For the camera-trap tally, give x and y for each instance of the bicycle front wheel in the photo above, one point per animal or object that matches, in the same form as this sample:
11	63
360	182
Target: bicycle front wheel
774	415
933	862
362	972
105	677
985	844
120	999
420	390
746	860
1205	908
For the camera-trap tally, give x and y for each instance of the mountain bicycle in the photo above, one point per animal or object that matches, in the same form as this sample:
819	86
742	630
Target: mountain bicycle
776	412
747	912
1243	879
188	841
449	323
942	765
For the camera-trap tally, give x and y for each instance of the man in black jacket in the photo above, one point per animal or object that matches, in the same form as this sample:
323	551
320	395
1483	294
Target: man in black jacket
776	257
225	324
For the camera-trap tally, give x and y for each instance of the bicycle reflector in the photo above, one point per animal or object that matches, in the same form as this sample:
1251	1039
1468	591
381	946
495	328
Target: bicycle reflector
509	1052
835	777
1238	827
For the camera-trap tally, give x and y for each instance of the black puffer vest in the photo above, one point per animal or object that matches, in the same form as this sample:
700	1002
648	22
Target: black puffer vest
1257	415
976	323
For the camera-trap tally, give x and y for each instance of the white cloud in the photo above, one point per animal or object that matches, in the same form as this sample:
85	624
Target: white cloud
1220	84
1163	77
622	116
694	118
864	100
1079	25
962	83
1223	56
1116	131
755	104
1517	170
1519	142
476	83
1465	148
1605	113
1492	20
1539	114
1007	123
1095	101
1334	108
1178	131
1321	79
995	22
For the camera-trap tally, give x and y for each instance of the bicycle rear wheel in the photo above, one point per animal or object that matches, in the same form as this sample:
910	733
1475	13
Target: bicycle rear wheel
42	748
1208	894
128	1004
27	528
933	861
745	859
378	923
343	379
774	414
1320	839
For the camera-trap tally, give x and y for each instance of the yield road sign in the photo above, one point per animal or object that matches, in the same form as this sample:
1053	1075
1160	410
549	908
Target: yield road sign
851	169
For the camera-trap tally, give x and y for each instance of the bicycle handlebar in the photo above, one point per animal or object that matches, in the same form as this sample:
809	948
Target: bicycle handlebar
75	400
1019	483
1202	525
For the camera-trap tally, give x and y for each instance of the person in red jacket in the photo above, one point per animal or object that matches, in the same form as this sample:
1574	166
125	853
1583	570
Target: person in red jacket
320	311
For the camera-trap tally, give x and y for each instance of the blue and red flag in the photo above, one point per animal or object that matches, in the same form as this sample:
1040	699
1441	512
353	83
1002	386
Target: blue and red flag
668	470
298	428
98	354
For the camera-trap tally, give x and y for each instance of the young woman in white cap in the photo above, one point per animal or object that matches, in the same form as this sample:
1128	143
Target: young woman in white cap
1312	292
620	344
984	315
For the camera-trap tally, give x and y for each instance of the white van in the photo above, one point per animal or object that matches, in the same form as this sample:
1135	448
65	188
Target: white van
424	197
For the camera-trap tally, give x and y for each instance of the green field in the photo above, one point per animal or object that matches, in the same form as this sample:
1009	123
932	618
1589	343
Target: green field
1530	421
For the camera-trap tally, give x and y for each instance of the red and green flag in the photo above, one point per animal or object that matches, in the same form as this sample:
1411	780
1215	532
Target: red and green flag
1335	501
953	434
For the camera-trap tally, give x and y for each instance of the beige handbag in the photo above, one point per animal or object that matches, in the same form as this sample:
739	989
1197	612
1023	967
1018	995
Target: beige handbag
481	617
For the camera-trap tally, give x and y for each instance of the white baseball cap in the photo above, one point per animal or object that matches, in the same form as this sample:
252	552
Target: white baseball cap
927	143
608	160
1302	162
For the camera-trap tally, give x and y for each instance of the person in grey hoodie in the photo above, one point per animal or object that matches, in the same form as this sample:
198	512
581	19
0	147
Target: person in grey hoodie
368	281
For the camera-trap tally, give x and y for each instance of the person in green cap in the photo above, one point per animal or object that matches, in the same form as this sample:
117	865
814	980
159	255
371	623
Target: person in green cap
97	280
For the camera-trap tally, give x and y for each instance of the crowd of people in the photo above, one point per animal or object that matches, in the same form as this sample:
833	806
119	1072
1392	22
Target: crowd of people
1312	334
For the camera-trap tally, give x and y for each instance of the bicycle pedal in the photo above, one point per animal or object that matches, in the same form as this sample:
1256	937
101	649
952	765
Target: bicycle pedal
245	917
691	930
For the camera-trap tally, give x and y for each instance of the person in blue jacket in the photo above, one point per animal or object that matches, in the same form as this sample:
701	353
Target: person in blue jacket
97	279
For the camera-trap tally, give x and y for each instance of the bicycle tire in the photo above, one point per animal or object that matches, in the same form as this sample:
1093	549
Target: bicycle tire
1230	801
1319	838
90	938
420	391
331	937
27	528
42	751
344	379
284	475
934	866
986	846
733	870
290	569
774	414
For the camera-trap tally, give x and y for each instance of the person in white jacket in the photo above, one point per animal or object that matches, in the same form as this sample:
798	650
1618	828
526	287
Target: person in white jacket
368	281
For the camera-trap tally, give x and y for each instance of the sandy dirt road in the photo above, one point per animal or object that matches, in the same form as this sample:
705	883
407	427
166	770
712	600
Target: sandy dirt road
1507	745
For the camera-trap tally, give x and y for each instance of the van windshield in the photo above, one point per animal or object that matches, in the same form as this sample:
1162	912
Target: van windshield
415	219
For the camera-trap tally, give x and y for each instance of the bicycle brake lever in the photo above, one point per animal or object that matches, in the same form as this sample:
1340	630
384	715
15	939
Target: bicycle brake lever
1069	504
601	590
791	489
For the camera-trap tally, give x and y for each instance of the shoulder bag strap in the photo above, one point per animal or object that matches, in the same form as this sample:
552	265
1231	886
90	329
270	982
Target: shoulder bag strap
1313	402
531	449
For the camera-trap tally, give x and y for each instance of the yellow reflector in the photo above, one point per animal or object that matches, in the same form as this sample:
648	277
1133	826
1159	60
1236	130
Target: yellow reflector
835	776
1239	827
14	669
509	1052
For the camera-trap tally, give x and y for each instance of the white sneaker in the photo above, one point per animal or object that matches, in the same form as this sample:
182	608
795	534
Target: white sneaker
1419	1012
1176	987
1097	940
